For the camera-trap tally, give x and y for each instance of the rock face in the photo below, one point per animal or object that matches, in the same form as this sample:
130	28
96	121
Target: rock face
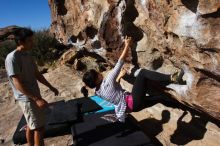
168	35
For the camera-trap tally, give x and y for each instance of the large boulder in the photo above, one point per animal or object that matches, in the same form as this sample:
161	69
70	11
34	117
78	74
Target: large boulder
168	35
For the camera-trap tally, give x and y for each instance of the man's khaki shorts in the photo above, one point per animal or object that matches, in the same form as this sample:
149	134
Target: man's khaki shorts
35	117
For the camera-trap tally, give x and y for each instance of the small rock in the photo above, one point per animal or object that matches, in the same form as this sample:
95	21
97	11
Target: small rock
68	57
78	65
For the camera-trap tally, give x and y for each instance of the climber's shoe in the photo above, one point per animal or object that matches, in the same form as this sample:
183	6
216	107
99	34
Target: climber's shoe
177	77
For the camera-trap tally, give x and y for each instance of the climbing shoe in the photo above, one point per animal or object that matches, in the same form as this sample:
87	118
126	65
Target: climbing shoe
177	77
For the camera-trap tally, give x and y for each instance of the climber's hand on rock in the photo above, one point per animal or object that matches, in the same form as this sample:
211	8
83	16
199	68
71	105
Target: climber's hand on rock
126	48
128	41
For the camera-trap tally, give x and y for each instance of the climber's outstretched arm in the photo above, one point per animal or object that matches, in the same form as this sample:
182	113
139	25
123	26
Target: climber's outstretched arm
128	42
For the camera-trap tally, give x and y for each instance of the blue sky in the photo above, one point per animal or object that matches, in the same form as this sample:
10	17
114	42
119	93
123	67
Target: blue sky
25	13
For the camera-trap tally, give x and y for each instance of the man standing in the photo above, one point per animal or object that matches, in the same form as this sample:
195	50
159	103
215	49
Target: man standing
23	75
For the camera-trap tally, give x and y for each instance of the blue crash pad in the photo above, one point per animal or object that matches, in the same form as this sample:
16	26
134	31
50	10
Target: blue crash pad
106	106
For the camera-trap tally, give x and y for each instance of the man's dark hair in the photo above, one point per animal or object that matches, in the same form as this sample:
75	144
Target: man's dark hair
22	34
90	77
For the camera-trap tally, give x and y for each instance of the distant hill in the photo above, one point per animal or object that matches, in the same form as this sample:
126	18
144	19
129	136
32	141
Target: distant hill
7	32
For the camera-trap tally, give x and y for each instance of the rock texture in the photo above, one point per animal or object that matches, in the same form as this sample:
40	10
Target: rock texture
168	35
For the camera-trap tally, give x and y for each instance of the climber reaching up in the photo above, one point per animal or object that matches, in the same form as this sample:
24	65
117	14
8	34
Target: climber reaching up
109	88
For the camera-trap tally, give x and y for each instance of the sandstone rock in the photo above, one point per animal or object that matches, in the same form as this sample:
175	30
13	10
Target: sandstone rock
68	57
83	60
78	65
168	35
170	126
208	6
90	63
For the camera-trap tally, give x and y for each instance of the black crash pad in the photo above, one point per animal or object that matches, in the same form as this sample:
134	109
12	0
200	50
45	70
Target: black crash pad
64	114
88	105
95	131
59	129
50	130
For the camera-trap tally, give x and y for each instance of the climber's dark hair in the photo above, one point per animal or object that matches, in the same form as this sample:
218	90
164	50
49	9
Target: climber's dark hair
22	34
90	77
84	91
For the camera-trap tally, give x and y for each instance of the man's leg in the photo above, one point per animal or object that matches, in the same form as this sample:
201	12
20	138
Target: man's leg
39	137
35	118
25	106
30	136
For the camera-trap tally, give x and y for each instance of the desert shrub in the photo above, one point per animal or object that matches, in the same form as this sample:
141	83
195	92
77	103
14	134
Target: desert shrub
46	48
5	48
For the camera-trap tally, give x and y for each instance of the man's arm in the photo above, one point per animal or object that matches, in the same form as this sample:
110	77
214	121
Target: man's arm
41	103
42	80
14	71
19	86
